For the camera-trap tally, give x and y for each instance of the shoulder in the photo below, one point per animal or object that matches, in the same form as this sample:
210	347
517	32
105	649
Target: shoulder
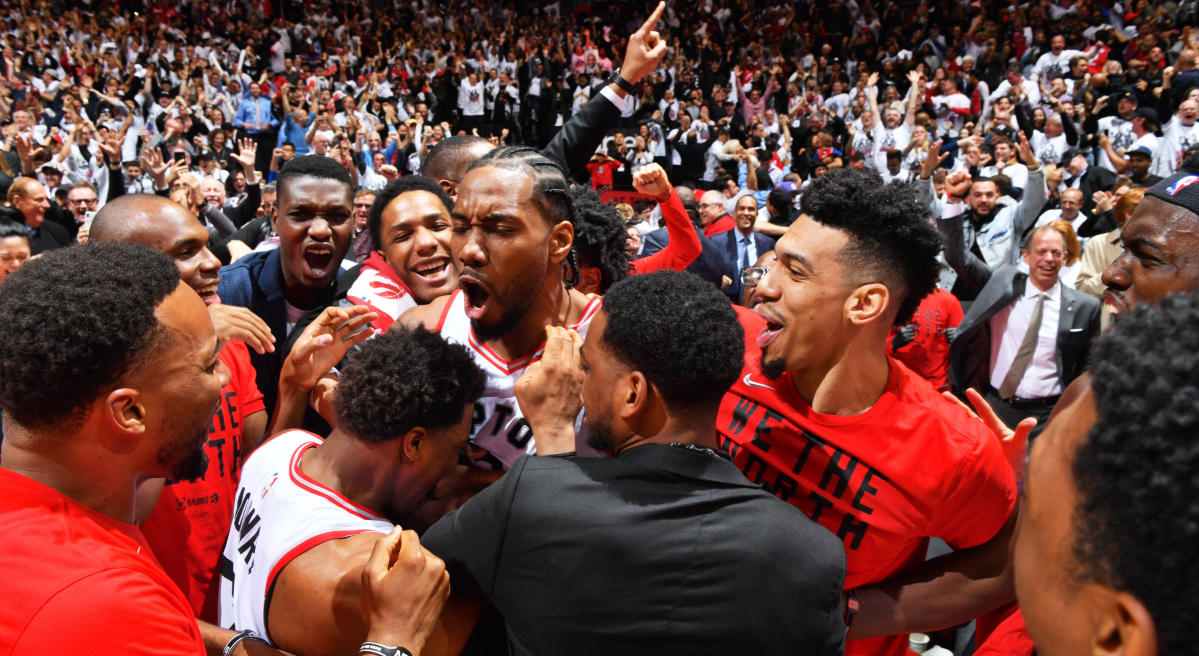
1086	302
428	316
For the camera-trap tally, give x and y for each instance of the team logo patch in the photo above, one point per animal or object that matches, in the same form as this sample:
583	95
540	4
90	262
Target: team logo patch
1182	183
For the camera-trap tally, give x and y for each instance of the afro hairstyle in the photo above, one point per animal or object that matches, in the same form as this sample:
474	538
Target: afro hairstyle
600	236
404	379
73	323
680	332
1137	523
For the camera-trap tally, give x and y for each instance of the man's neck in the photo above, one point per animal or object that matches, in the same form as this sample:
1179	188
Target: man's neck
555	305
694	429
106	490
1037	285
352	468
852	384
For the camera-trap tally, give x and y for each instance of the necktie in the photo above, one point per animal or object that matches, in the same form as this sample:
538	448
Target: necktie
1024	354
744	252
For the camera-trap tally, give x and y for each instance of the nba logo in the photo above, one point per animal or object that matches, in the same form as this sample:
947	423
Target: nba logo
1182	183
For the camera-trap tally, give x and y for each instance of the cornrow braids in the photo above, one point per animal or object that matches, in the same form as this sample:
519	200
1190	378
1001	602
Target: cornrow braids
551	188
551	183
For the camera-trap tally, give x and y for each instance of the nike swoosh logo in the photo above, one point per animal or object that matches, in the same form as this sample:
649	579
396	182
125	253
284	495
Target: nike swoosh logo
751	383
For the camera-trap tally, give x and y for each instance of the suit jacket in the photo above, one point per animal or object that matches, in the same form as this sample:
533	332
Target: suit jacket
256	282
578	138
711	264
1095	179
970	352
661	550
728	242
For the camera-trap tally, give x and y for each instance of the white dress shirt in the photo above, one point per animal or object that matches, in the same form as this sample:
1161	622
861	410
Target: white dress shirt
1007	332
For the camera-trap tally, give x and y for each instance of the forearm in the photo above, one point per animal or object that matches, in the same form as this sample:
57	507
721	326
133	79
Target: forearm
942	592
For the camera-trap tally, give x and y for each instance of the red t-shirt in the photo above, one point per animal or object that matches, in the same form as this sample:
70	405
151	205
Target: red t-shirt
188	526
928	354
723	224
77	581
601	173
913	466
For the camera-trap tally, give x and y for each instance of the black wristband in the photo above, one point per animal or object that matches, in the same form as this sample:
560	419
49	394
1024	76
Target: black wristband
235	640
619	81
377	649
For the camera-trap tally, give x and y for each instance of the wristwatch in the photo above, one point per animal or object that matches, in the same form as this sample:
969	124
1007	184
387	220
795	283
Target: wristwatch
377	649
621	82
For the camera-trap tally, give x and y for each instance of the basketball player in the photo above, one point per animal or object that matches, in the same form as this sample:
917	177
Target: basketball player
512	239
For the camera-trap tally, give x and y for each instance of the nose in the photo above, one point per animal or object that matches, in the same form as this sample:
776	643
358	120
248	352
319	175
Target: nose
1116	275
208	261
320	229
469	248
425	242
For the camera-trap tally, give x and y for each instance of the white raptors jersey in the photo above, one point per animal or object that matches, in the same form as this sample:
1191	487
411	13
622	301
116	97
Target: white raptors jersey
279	513
498	424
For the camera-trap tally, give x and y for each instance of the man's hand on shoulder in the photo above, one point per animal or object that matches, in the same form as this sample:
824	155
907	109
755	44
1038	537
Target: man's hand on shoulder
235	322
426	316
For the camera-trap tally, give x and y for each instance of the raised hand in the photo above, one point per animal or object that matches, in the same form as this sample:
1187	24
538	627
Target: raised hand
957	184
651	180
645	50
153	163
247	149
1024	150
929	164
234	322
550	391
324	343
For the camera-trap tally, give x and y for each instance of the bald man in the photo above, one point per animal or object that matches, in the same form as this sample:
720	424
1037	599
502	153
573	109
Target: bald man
187	526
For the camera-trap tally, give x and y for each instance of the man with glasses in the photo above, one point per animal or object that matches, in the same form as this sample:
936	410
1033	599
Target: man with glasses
711	214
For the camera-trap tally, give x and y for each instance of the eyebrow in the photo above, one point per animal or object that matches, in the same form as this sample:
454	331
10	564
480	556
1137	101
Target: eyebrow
1145	245
798	257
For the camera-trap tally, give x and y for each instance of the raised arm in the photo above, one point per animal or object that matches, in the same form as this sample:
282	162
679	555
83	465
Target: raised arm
584	132
683	245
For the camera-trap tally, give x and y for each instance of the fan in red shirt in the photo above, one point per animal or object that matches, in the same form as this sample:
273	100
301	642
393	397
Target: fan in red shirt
187	526
824	419
601	240
922	343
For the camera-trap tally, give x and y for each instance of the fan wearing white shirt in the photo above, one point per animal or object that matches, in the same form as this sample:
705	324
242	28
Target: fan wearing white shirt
1182	132
1005	162
1054	63
1016	86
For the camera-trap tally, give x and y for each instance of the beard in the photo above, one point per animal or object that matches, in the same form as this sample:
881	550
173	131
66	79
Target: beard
185	458
772	369
513	301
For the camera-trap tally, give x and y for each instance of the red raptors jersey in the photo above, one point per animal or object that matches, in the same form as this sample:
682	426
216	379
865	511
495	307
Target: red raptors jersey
911	467
187	528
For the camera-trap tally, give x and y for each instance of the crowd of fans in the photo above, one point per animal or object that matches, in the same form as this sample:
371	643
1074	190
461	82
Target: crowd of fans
926	371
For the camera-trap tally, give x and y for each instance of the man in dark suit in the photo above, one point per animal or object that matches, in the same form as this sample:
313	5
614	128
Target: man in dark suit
648	551
1042	331
1077	174
742	245
29	204
712	265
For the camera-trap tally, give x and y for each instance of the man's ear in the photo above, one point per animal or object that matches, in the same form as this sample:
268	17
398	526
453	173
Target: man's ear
412	443
1125	629
590	280
449	187
562	237
123	410
867	303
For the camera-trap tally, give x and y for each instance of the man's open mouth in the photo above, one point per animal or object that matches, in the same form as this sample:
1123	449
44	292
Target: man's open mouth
319	260
477	297
433	270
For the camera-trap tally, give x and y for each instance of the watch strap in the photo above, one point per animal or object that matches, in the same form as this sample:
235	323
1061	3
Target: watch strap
377	649
236	640
619	81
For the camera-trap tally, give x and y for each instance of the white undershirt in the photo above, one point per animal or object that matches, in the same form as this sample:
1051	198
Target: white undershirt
1007	331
